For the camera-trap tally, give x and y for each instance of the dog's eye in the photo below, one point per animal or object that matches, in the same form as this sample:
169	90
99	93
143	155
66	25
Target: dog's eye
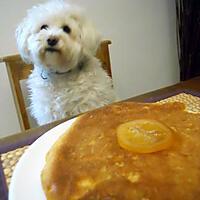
44	27
66	29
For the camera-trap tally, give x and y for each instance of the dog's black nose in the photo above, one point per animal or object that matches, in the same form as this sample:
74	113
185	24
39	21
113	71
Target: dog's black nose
52	41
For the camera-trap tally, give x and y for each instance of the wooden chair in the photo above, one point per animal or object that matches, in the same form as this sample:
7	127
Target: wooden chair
18	70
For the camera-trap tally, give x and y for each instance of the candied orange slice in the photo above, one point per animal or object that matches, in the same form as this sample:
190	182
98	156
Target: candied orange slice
144	136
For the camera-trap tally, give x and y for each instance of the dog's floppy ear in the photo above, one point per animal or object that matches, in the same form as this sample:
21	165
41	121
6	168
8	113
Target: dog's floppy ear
22	33
90	37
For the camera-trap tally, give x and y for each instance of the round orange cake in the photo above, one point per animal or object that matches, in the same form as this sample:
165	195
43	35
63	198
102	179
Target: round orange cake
127	151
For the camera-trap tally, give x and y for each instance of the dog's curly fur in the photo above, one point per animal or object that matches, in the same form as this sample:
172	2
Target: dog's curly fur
67	79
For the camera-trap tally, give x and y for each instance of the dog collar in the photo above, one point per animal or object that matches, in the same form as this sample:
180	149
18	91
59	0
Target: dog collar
44	75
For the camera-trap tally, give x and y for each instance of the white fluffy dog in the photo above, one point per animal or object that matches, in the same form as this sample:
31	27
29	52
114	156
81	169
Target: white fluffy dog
67	78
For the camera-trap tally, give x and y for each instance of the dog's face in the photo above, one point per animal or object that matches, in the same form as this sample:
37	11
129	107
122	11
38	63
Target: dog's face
56	36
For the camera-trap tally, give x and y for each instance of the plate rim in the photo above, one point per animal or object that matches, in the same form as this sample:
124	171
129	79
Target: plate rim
59	129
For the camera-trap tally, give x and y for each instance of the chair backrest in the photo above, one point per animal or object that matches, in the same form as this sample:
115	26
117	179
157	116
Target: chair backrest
18	70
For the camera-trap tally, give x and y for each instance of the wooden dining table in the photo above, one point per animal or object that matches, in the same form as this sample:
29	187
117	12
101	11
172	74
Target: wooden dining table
190	86
21	139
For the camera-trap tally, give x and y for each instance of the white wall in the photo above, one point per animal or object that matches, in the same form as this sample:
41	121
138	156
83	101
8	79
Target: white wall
143	52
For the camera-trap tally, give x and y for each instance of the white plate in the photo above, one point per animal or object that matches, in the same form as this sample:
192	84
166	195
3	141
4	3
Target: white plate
25	182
